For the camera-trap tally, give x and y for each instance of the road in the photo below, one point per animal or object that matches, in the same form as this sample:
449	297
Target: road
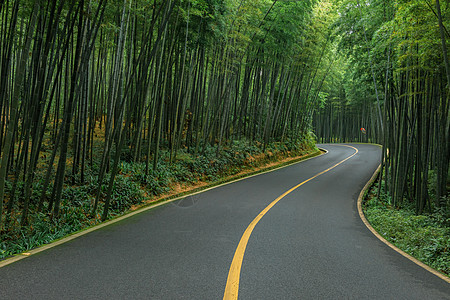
311	244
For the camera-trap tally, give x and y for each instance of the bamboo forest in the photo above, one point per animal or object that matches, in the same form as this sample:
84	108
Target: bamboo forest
107	106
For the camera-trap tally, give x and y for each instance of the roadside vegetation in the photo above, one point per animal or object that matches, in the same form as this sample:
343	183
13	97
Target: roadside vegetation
133	188
425	237
105	105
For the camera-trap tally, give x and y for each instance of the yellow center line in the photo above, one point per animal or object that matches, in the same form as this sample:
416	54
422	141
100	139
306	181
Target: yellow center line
232	287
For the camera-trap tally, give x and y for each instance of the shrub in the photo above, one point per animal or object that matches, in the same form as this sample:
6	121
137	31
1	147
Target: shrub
125	193
425	237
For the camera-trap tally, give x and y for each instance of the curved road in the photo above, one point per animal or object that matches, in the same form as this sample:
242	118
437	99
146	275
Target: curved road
309	245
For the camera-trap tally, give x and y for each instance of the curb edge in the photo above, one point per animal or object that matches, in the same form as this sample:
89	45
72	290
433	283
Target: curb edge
382	239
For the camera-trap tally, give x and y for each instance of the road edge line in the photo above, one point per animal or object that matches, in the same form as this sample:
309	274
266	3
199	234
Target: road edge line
75	235
382	239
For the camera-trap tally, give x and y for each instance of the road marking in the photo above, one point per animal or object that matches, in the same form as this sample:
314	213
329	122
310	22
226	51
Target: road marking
162	202
232	287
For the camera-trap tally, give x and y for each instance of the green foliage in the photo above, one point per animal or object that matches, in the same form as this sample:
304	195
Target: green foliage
44	230
130	184
125	193
426	237
208	166
74	215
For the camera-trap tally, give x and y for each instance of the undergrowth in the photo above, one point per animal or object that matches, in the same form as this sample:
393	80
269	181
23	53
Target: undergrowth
132	186
425	237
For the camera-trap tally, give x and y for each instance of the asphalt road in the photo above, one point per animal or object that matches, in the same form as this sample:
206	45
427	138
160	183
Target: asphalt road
310	245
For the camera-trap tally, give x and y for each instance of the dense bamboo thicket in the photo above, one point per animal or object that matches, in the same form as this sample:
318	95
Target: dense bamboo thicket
90	87
139	77
395	83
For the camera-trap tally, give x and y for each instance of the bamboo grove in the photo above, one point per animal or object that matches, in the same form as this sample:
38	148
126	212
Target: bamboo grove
142	77
394	81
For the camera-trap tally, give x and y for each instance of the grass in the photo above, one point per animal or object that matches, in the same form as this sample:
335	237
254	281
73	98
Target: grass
425	237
